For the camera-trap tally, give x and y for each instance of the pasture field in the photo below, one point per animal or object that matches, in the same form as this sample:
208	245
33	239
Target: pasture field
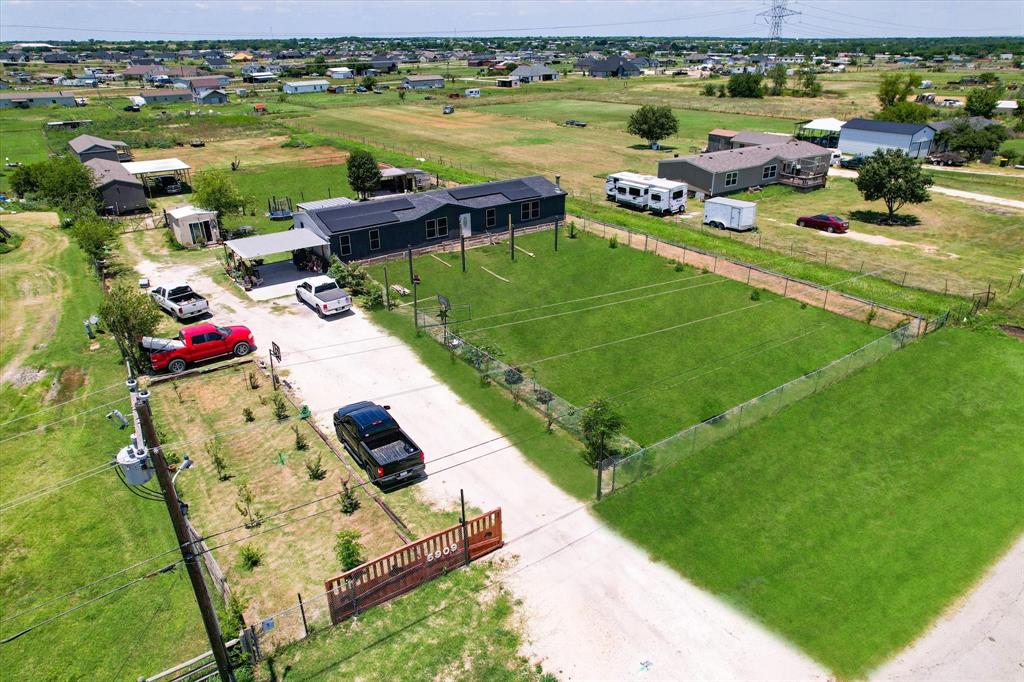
56	389
850	520
1009	185
668	346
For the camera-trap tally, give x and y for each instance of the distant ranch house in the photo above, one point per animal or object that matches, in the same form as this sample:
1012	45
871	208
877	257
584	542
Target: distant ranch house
302	87
165	96
24	100
210	97
422	82
613	67
798	164
368	229
88	147
864	136
120	191
528	73
340	72
203	82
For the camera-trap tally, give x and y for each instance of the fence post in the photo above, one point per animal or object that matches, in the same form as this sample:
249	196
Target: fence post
600	468
302	612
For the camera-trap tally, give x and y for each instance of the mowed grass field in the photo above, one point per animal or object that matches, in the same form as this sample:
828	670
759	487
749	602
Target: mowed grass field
54	429
852	519
667	347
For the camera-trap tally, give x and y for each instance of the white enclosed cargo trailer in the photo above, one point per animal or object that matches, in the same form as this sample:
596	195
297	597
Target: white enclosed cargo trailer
730	214
646	192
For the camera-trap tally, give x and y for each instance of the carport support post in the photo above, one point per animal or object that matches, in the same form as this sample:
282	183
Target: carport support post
462	241
408	251
556	241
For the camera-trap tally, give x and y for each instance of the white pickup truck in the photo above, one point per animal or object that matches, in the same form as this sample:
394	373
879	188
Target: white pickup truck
323	295
179	300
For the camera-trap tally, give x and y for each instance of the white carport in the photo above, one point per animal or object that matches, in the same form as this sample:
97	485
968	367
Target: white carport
149	171
820	131
264	281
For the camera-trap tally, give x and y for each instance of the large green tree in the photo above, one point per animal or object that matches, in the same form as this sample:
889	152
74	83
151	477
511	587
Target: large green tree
653	122
905	112
895	87
982	101
128	315
895	178
363	173
63	182
745	85
94	236
777	76
216	191
964	139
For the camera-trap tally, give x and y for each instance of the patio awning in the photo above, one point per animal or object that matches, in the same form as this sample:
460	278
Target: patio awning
277	242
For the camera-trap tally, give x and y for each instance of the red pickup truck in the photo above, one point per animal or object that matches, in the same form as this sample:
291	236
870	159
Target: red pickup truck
194	344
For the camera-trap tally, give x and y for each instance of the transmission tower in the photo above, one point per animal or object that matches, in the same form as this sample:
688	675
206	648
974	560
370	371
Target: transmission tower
775	17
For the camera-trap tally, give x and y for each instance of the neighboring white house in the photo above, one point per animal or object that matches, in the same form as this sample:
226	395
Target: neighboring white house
302	87
193	226
340	72
864	136
422	82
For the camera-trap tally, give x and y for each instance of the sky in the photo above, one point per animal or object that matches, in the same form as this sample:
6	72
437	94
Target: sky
207	19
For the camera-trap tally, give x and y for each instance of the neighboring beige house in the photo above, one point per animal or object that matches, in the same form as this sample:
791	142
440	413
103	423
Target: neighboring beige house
193	226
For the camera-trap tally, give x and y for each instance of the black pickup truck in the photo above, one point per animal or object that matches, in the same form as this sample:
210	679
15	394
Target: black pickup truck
378	444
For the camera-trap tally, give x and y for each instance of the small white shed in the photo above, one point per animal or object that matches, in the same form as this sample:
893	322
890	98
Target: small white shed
193	226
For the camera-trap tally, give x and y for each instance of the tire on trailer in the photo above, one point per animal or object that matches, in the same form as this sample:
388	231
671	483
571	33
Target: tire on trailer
176	366
241	348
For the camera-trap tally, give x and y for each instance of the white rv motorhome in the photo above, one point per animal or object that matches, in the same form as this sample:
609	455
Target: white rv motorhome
646	192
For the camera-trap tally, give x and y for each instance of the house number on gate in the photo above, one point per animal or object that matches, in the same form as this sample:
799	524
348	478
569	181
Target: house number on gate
443	552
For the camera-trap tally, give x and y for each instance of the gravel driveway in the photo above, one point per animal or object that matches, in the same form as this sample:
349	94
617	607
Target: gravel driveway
959	194
594	606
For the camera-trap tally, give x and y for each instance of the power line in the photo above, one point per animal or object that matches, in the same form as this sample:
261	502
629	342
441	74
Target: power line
63	419
70	480
415	34
61	404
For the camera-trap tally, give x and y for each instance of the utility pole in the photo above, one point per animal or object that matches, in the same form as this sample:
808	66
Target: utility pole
140	401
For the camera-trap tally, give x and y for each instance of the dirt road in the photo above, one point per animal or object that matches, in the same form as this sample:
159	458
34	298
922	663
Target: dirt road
959	194
980	638
595	606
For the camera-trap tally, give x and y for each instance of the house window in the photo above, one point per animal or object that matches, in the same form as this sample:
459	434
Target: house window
437	228
374	240
345	245
530	210
491	217
770	172
731	178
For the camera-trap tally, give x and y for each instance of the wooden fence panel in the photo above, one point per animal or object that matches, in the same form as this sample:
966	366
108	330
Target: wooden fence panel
404	569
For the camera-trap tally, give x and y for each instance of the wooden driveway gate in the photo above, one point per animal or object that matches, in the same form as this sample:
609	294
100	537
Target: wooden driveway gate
404	569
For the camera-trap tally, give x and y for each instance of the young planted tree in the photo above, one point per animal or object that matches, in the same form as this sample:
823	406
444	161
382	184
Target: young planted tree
128	315
600	424
895	178
349	551
363	173
216	191
809	84
368	82
653	123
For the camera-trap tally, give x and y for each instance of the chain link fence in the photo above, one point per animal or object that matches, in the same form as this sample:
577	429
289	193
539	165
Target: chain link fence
615	474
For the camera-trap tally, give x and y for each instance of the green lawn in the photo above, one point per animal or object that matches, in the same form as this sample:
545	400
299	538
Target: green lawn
849	521
1007	186
92	528
726	348
455	627
693	125
300	182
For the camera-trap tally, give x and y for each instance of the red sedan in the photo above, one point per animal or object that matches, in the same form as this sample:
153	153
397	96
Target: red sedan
824	221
